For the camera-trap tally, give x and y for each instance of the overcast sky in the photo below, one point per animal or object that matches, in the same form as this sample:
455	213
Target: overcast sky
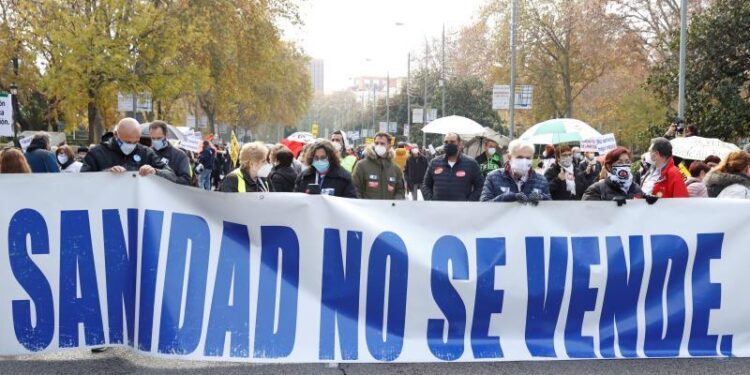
345	33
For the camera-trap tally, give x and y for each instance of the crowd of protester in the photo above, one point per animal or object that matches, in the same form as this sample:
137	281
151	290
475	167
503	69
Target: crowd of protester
381	171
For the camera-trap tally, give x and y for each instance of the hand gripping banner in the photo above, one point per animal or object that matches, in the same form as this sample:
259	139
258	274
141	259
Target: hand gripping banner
103	260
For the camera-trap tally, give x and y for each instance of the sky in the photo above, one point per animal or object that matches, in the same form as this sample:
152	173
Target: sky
348	33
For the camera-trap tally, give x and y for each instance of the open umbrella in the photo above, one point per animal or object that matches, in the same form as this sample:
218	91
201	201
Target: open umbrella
560	130
453	124
302	137
699	148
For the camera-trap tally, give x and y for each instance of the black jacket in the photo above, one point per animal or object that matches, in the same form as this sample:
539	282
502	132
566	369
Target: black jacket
178	162
606	190
107	155
416	167
229	184
337	178
558	188
462	182
282	179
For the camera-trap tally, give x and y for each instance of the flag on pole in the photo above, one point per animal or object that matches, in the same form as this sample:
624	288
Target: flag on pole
235	149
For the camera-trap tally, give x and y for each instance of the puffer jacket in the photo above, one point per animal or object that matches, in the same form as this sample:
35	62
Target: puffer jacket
501	187
378	178
727	185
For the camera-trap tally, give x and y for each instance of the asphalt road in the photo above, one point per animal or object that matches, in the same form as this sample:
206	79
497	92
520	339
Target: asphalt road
124	362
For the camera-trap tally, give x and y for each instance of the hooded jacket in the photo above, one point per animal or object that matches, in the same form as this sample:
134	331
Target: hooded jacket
378	178
727	185
40	159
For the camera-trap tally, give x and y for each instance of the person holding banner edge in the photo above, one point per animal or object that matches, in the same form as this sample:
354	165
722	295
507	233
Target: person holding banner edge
123	153
517	182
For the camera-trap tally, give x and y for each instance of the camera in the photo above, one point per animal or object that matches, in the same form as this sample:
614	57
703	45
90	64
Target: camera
680	125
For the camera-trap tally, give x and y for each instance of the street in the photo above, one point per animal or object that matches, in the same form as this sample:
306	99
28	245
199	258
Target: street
125	362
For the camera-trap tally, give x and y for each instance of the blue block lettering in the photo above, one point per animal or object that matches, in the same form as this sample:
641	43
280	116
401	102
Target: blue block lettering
582	298
448	256
340	294
152	228
29	223
490	254
121	262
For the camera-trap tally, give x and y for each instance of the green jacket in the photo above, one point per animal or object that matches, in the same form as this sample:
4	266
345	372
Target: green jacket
378	178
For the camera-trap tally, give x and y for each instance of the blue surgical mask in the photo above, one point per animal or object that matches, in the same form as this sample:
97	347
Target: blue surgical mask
321	165
159	144
126	148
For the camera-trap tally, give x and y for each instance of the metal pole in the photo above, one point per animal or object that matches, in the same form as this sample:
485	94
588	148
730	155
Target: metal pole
387	103
408	95
683	47
374	106
512	99
424	106
442	73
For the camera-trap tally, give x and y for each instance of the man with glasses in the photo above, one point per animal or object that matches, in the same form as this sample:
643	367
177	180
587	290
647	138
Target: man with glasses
454	176
377	176
517	182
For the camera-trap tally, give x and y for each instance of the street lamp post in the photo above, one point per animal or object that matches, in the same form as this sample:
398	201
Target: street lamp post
14	107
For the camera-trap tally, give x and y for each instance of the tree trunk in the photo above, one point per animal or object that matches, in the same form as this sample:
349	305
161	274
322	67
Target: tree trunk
95	123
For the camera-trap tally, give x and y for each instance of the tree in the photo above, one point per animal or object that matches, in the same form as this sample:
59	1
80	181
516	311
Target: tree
718	71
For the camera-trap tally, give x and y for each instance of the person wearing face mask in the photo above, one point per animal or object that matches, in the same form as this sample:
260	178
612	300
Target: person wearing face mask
590	170
490	159
517	182
325	175
643	166
176	159
565	182
66	158
377	176
341	145
453	176
122	153
619	185
416	167
664	179
246	178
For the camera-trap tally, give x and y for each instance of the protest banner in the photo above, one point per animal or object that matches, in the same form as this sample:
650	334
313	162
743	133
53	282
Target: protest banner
178	272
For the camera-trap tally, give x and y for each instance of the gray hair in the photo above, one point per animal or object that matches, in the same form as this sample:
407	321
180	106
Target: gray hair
518	145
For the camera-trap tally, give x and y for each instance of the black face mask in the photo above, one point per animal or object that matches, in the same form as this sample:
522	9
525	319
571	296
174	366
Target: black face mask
451	149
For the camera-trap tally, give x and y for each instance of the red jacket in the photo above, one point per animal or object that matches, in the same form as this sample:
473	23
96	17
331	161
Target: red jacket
671	183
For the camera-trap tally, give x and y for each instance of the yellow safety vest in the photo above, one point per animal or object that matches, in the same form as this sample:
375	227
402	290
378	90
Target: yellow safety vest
241	188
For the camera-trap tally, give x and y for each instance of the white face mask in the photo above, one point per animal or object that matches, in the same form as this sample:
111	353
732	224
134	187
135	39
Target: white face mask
62	158
337	146
415	151
264	170
380	150
520	167
491	151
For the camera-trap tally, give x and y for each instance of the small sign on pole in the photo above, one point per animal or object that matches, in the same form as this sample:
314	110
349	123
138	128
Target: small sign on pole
407	128
6	115
501	97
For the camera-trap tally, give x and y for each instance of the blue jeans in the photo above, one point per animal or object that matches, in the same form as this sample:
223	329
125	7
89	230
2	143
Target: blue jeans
204	179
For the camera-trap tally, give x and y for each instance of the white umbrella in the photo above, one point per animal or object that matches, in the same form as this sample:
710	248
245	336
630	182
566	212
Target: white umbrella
453	124
699	148
301	137
560	130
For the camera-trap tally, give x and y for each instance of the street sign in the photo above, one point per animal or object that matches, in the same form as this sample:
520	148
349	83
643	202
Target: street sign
6	115
383	127
407	128
393	127
124	102
501	97
417	115
144	102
